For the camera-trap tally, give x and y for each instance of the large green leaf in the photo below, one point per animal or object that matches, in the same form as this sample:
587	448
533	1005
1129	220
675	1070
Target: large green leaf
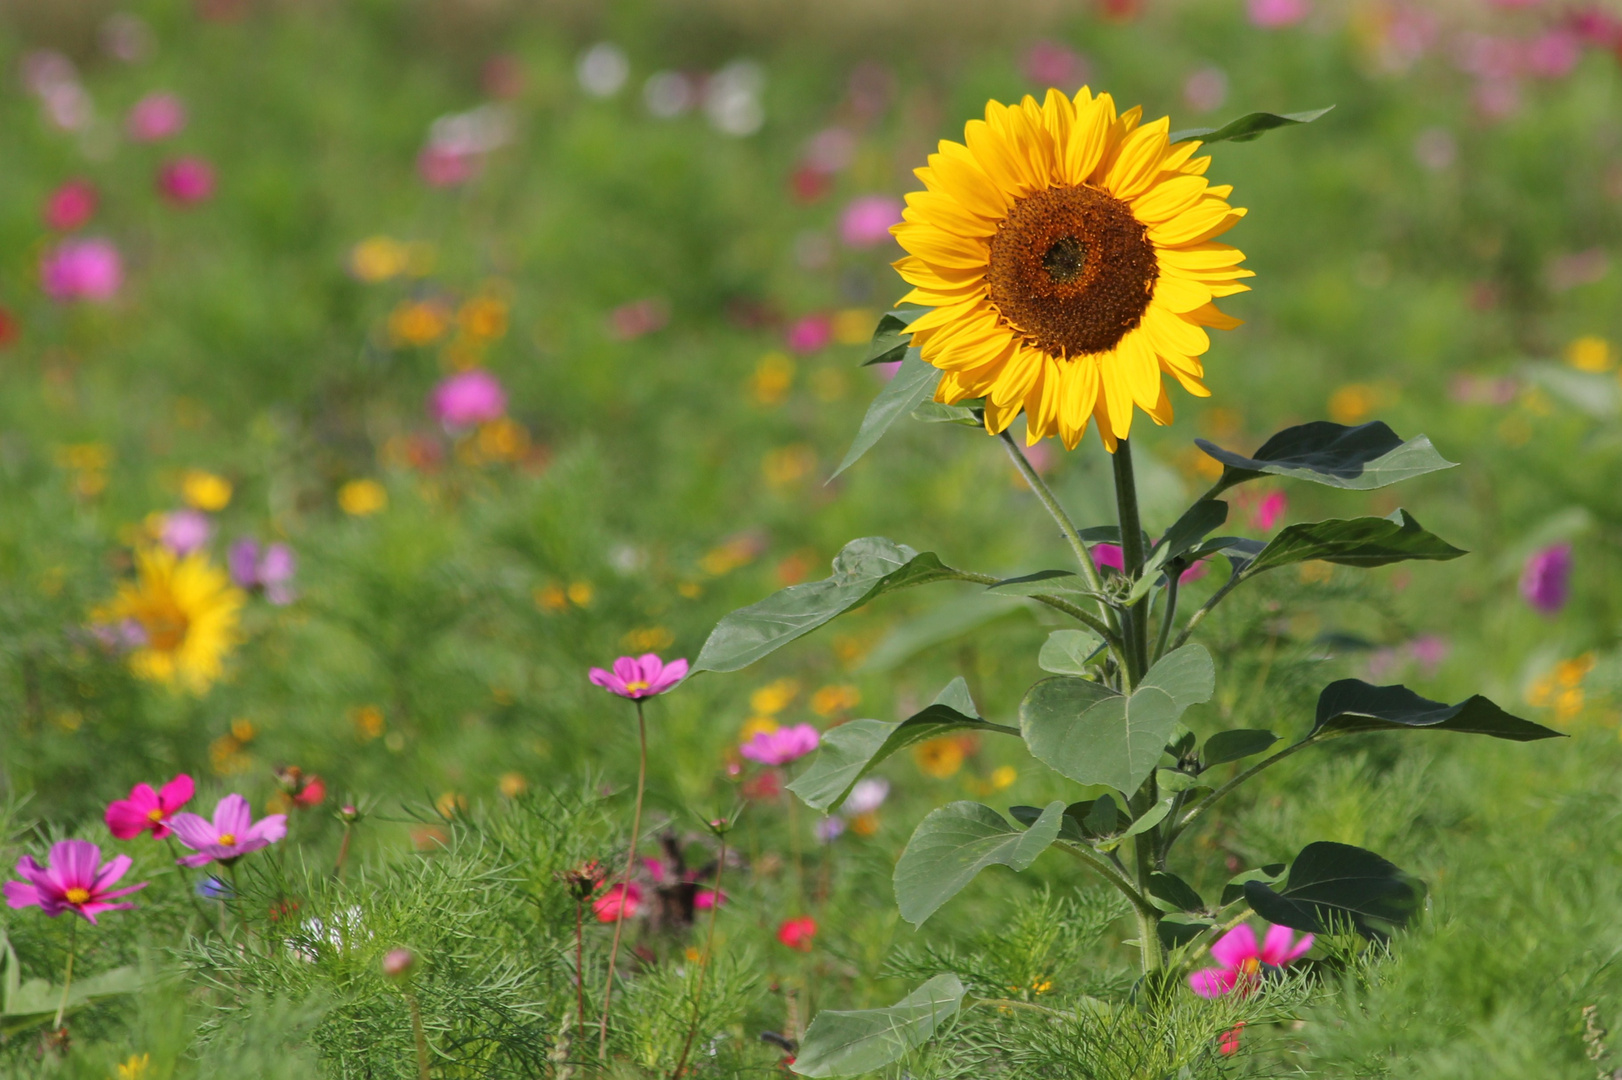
1232	745
862	570
957	841
1358	458
1354	705
1248	127
1177	894
844	759
1330	885
890	337
1197	522
1365	542
914	383
1066	652
864	1040
1093	735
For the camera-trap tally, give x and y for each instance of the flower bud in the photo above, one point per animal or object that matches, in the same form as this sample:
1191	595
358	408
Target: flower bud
398	963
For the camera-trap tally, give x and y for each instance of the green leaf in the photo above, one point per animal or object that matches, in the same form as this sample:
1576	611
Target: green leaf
956	842
913	384
1356	458
1248	127
1354	705
1226	746
1195	525
1364	542
1178	929
1175	892
862	570
1146	821
862	1041
1041	583
1066	652
1235	888
1103	817
890	337
1094	735
935	412
1331	884
34	1002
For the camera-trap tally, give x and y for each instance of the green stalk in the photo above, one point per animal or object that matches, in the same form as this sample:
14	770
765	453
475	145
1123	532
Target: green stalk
418	1034
630	868
1133	555
67	976
1169	614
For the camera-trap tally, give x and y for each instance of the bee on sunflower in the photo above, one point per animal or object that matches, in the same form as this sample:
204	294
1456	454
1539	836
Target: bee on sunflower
1069	254
183	613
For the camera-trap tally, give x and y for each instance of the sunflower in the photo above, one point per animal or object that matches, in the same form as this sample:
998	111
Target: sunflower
1069	257
186	610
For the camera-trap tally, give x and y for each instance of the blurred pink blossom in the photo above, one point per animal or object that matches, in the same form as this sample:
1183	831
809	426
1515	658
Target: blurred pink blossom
1268	509
1195	572
809	333
867	219
1109	555
70	205
781	746
830	150
184	531
630	321
1546	579
1554	54
443	166
1206	88
1429	651
1273	14
186	181
1052	63
81	270
468	398
156	116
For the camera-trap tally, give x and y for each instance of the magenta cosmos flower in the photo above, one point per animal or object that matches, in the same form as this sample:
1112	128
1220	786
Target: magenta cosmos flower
468	398
642	676
1242	960
232	834
81	270
70	206
781	746
76	880
186	181
147	810
1546	578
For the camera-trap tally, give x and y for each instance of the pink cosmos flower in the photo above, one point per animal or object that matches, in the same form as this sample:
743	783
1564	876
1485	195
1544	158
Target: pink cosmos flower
797	933
1554	54
1267	510
468	398
232	834
81	270
271	571
444	166
154	117
810	333
147	810
619	902
1200	568
1109	555
70	205
76	880
1274	14
1052	63
637	677
867	219
184	531
1546	579
781	746
704	899
186	181
1241	960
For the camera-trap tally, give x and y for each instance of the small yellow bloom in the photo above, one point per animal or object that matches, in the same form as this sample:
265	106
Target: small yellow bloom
512	784
1569	703
835	698
1003	776
363	498
243	730
503	440
90	456
1315	572
450	803
940	758
551	597
757	725
787	464
1352	403
865	824
774	697
368	721
735	551
1571	672
1591	353
580	593
135	1067
773	377
854	326
691	590
205	490
483	317
418	322
649	639
378	258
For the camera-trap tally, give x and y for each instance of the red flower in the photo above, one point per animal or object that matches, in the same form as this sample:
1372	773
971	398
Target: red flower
1229	1042
797	933
619	902
313	793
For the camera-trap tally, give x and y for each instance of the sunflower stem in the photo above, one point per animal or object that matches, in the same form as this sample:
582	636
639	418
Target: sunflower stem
1169	614
630	867
1132	555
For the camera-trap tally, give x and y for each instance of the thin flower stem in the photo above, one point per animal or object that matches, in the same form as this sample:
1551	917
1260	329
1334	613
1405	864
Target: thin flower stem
704	962
1092	622
67	976
1132	555
580	970
1167	616
1216	598
343	852
630	867
418	1034
185	879
1110	873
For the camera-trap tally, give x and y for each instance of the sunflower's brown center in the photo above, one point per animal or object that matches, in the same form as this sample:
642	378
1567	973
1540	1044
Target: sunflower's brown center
1072	270
165	624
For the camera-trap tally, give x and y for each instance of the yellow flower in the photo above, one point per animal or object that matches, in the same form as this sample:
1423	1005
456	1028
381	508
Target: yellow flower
757	725
135	1067
418	322
1352	403
1591	353
368	721
1003	776
865	824
787	464
205	490
362	498
378	258
512	784
1069	255
774	697
483	318
940	758
835	698
648	639
551	597
853	326
580	593
187	610
503	440
772	378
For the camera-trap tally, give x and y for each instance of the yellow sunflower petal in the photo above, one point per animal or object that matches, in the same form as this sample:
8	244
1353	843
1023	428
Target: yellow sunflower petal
915	271
1206	256
1206	219
1210	316
1161	412
1042	402
1017	376
1117	395
1136	359
1180	295
1188	381
1101	417
940	248
1165	200
939	209
992	149
1079	394
1170	334
1138	160
959	175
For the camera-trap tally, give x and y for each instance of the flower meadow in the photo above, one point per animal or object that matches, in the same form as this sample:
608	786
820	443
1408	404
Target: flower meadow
702	541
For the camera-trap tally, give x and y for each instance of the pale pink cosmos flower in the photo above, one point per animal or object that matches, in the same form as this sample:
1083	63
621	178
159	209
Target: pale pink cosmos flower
443	166
781	746
154	117
468	398
867	219
232	834
186	181
184	531
81	270
1053	63
1241	959
147	810
70	206
75	880
1274	14
637	677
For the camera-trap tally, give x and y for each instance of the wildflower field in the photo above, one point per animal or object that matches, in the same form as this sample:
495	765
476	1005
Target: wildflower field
746	540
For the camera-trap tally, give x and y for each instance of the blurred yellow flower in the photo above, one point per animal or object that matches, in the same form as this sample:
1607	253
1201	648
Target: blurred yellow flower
757	725
134	1068
835	698
691	590
1352	403
88	456
503	440
1591	353
1561	687
648	639
1315	572
362	498
773	377
854	326
829	384
483	317
580	593
865	824
512	784
450	804
368	721
787	464
205	490
731	553
186	610
378	258
774	697
418	322
1003	776
551	597
940	758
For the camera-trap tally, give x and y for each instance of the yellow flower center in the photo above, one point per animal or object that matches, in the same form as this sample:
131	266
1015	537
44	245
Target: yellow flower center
155	814
638	685
1072	270
228	839
165	624
1249	966
77	896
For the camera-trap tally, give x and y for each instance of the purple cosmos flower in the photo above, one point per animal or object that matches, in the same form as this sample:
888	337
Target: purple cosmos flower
81	270
781	746
271	570
1546	579
1241	959
637	677
867	219
154	117
232	834
75	880
184	531
186	181
468	398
